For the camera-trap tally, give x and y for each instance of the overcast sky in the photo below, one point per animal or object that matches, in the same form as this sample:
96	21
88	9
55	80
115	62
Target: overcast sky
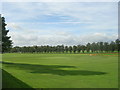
68	23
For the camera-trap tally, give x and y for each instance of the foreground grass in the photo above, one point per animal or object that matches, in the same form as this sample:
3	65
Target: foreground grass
63	70
8	81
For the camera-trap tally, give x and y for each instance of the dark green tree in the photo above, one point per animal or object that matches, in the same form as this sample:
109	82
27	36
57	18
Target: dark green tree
6	42
70	49
106	47
83	47
78	48
62	48
66	49
88	47
74	49
112	46
92	46
117	45
0	34
101	46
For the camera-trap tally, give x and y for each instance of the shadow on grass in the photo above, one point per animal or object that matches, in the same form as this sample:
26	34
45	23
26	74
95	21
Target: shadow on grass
9	81
51	69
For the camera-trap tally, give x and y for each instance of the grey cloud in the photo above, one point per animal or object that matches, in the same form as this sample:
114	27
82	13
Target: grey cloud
58	39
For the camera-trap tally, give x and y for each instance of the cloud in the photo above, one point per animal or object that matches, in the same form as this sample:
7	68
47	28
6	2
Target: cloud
60	23
66	22
22	39
97	37
80	12
14	26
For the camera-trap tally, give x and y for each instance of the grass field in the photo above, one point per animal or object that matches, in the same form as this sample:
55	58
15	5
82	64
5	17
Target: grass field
63	70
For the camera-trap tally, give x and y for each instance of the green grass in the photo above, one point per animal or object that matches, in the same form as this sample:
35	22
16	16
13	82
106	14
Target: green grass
9	81
63	70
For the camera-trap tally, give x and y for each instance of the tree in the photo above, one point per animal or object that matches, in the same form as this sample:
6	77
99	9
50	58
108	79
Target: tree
74	49
88	47
78	48
0	34
106	46
83	47
70	49
6	42
97	47
117	45
62	48
112	46
92	46
101	46
66	49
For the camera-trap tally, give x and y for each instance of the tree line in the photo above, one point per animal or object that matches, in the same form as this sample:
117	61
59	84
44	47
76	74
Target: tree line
95	47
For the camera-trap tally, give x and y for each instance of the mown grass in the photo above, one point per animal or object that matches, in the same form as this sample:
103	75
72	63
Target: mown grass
9	81
63	70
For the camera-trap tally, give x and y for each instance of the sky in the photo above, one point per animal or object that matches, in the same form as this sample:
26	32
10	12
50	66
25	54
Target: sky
57	23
